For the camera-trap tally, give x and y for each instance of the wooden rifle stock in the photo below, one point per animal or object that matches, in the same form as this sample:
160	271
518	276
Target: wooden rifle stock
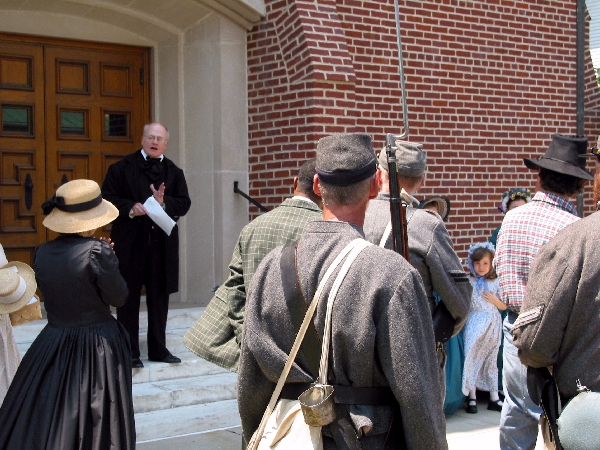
397	205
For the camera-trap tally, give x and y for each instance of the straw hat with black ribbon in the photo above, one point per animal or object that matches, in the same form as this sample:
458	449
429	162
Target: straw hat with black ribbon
566	155
78	206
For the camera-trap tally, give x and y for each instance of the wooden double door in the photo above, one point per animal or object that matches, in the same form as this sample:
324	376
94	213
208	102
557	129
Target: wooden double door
67	110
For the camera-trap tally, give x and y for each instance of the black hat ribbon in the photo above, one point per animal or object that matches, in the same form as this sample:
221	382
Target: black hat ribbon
59	202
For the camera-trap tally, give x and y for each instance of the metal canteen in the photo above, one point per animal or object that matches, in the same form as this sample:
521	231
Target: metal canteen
317	405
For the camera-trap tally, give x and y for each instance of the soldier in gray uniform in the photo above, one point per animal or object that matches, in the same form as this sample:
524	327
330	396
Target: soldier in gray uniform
431	250
382	335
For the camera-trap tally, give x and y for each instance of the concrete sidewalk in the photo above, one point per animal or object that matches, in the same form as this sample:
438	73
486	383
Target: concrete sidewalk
464	432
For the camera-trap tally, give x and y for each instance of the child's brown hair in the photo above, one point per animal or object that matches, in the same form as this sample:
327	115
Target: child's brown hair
480	253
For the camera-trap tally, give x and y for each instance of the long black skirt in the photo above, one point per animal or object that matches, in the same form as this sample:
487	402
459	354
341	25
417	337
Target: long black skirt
72	391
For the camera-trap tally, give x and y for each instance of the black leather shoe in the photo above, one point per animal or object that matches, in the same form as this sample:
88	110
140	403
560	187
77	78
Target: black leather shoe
495	406
471	406
137	363
171	359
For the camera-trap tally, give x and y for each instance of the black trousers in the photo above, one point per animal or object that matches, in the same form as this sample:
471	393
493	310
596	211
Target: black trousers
150	272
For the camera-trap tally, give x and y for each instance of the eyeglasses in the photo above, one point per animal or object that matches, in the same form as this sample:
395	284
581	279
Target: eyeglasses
158	139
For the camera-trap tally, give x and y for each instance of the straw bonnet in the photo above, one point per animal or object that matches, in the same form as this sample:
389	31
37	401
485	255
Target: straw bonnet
78	206
17	286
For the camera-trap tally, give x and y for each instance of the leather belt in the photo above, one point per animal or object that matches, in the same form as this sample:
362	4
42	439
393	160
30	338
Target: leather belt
346	395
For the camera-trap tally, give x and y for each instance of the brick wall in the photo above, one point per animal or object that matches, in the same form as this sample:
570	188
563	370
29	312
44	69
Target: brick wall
488	84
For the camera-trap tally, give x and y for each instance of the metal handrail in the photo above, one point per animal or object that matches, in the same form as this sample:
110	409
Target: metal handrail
247	197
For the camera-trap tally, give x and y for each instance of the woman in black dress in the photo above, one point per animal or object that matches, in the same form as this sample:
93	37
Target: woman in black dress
73	387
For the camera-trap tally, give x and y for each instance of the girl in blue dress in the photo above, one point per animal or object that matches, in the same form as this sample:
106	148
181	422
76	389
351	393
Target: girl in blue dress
483	331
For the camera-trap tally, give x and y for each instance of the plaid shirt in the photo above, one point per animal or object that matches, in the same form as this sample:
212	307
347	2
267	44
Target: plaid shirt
524	231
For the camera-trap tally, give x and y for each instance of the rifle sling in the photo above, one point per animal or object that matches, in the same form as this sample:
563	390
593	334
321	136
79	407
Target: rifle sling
311	345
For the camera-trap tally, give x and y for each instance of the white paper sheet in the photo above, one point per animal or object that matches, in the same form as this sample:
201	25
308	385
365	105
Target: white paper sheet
158	215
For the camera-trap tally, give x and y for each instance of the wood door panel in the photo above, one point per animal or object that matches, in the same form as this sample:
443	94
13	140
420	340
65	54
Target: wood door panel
14	219
22	252
72	77
73	165
116	81
110	109
67	110
14	164
22	156
16	72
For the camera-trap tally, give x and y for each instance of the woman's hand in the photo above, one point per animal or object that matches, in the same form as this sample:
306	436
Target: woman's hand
108	241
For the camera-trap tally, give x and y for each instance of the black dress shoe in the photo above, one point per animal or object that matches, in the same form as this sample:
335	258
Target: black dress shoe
167	359
471	406
495	406
137	363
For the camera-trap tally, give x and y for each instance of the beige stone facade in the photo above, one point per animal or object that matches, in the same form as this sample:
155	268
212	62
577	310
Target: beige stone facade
199	90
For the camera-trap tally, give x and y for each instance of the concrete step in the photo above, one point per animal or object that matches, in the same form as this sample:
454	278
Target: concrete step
190	366
171	399
178	322
167	394
187	419
180	318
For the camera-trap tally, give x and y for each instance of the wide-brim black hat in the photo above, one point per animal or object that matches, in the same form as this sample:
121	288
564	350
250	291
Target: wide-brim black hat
565	155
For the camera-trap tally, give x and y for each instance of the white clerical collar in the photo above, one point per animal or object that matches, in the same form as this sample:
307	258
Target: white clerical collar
145	155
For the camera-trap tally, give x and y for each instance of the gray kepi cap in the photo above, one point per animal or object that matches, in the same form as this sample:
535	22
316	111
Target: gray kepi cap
346	158
410	158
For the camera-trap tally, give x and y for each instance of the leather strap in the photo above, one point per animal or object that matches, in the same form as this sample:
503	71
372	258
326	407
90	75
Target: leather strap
346	395
342	430
311	345
254	441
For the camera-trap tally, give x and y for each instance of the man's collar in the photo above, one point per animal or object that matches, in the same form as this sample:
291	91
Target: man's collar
555	199
145	155
306	199
409	199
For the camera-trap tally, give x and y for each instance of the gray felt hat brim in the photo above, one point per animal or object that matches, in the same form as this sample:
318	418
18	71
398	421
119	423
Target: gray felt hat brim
558	166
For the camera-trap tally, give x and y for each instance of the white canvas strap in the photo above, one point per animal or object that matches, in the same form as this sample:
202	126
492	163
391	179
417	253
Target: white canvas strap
300	336
324	365
386	234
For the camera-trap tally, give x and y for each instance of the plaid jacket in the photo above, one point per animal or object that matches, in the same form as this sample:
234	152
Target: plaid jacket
216	336
524	231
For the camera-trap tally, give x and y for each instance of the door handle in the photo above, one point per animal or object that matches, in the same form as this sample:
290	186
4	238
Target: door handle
63	180
28	192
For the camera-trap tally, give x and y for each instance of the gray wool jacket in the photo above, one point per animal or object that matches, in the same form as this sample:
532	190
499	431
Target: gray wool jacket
381	336
431	253
559	323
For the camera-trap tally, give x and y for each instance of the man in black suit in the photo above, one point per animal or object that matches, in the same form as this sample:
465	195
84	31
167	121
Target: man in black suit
147	255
